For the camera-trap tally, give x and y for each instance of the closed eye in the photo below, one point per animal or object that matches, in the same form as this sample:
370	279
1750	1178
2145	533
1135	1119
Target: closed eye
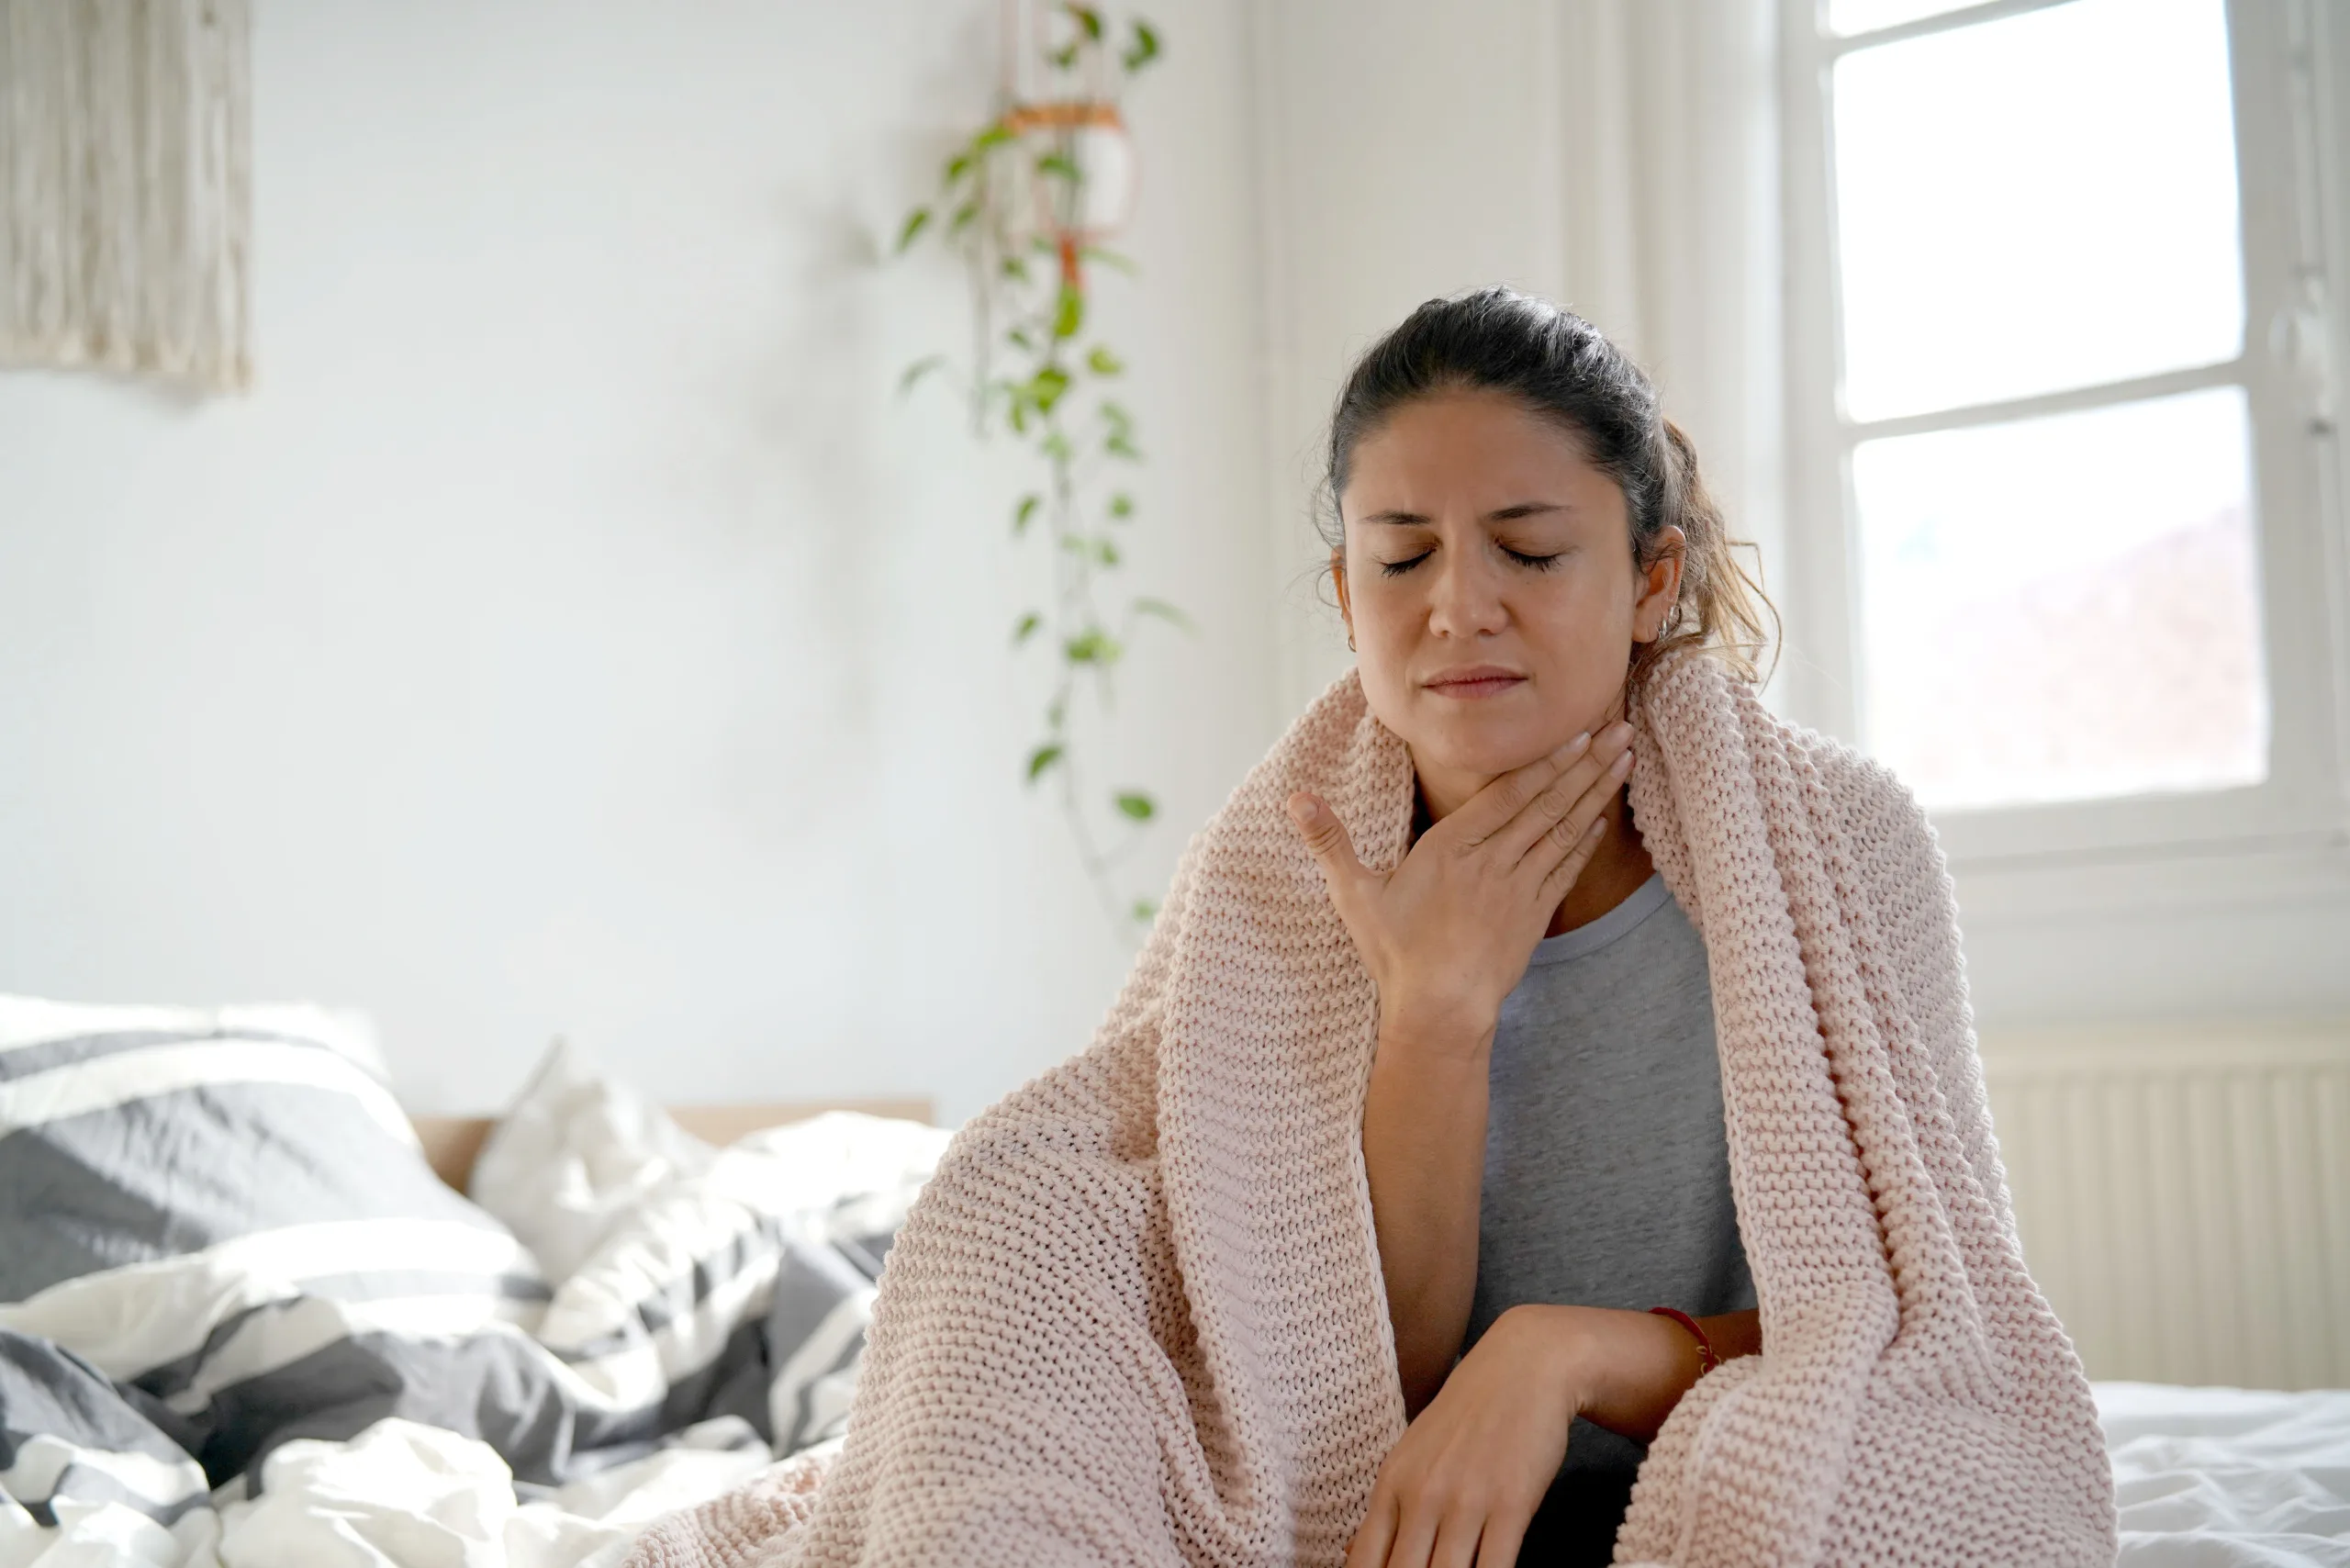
1539	563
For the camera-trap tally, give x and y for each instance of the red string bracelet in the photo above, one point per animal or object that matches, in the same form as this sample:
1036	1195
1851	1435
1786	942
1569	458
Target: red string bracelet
1707	1358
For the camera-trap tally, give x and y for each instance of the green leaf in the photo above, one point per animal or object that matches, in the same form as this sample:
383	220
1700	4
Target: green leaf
1045	387
1063	58
1024	514
995	136
1069	313
1145	912
1059	166
1136	804
1120	440
1091	646
1015	269
1164	612
917	370
1025	627
1089	18
1056	447
916	221
1101	362
1122	505
1113	259
1106	551
1044	756
1015	410
1144	50
958	166
963	217
1018	338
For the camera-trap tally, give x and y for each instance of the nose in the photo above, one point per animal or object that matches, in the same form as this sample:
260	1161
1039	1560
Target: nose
1466	598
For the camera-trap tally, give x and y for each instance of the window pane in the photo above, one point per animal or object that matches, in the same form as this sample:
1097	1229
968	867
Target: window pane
2036	203
2067	608
1849	17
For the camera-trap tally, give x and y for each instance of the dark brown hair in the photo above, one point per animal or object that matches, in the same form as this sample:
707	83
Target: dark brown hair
1562	369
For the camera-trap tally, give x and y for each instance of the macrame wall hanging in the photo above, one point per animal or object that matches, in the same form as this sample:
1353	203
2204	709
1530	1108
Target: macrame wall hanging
126	190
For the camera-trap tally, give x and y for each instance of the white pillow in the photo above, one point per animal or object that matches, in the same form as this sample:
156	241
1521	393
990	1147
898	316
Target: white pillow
783	1235
578	1154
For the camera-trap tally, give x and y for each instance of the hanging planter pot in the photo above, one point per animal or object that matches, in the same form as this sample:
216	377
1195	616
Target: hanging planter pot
1080	168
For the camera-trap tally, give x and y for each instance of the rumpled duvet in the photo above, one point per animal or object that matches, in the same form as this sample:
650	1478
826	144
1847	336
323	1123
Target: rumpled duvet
347	1391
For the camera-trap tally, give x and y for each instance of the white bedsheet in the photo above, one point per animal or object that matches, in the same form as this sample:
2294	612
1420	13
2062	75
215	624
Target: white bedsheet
397	1496
2228	1477
2206	1478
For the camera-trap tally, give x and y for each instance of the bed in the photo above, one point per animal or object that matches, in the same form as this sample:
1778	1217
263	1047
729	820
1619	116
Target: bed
251	1311
256	1314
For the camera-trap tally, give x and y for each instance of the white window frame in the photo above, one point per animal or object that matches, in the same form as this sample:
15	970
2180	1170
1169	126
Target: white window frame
2292	67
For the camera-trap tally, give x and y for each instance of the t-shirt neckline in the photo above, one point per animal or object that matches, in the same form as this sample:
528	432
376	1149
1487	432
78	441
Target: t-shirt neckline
1645	901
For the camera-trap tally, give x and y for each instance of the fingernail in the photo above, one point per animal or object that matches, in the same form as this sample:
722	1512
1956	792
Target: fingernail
1619	733
1301	810
1622	765
1573	747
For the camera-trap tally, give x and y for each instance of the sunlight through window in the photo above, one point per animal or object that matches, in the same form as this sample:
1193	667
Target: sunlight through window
2037	222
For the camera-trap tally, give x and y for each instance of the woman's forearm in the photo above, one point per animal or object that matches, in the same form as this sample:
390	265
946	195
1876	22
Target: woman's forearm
1423	1147
1630	1369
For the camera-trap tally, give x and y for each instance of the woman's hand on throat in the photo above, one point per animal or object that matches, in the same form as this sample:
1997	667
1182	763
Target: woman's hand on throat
1446	934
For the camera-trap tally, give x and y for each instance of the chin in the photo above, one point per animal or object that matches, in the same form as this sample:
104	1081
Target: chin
1488	749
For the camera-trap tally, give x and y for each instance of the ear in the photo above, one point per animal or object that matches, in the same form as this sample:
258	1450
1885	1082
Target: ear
1338	576
1660	586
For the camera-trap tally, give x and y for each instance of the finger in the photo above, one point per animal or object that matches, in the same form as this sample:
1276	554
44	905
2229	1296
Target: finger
1368	1548
1577	795
1504	1533
1415	1536
1326	840
1496	805
1456	1540
1562	877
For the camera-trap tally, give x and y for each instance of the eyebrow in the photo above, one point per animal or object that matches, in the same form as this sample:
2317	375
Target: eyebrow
1506	514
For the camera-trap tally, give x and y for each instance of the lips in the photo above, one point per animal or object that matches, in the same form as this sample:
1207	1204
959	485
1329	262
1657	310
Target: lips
1470	682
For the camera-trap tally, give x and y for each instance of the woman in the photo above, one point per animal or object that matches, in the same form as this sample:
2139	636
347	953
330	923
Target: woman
1517	536
1463	1038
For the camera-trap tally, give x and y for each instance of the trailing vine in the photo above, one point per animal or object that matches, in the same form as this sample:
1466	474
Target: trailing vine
1014	204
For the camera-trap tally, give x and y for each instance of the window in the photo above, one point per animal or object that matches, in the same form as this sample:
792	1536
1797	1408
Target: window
2065	433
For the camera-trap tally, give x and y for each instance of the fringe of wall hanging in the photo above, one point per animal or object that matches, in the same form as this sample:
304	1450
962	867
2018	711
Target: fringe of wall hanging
126	189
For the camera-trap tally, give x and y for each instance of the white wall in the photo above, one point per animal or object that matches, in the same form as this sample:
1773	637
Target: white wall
573	634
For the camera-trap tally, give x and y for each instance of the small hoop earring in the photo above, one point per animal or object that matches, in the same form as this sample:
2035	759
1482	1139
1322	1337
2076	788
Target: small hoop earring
1350	639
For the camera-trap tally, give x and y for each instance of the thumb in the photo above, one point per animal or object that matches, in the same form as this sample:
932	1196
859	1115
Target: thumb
1326	840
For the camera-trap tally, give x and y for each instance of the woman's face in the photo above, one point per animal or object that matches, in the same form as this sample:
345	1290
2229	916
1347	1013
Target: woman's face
1488	581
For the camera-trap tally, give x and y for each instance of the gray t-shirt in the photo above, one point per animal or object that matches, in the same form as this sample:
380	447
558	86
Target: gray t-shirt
1606	1169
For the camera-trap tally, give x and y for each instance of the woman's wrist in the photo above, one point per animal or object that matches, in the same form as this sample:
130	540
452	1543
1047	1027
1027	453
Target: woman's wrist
1623	1371
1449	1028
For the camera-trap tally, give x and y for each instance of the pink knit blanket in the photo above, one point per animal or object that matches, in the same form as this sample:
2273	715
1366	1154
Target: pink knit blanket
1136	1318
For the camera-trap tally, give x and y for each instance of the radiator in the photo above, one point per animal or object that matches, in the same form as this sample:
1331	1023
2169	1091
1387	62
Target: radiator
2184	1196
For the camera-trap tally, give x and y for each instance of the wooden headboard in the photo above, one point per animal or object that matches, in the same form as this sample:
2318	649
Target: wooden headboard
454	1143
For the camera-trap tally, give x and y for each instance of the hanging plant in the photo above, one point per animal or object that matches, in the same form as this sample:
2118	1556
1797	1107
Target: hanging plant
1028	203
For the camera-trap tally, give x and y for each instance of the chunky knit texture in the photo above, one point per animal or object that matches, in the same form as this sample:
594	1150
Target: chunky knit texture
1136	1318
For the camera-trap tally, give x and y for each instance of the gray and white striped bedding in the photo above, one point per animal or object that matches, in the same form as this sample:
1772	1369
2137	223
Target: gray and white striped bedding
218	1234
